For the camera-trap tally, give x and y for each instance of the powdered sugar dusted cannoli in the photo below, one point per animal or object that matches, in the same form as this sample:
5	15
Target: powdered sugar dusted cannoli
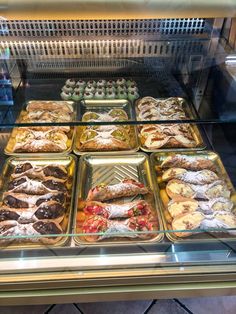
177	189
193	163
127	187
196	177
180	207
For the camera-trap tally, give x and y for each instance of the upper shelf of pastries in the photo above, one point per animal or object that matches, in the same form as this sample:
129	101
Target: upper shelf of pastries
101	9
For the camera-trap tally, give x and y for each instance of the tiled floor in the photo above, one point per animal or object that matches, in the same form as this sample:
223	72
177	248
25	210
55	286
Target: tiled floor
216	305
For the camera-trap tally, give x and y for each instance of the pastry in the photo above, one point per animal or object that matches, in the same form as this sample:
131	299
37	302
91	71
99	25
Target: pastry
50	210
88	95
187	222
126	188
38	105
79	89
66	95
112	228
193	163
38	141
77	95
80	83
177	189
110	95
89	89
110	211
67	89
32	230
92	83
132	88
180	207
115	139
111	83
30	186
70	82
131	82
21	200
121	88
196	177
121	81
99	95
39	172
101	83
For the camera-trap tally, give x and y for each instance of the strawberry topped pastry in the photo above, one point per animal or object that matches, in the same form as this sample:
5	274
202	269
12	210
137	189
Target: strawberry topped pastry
104	228
111	211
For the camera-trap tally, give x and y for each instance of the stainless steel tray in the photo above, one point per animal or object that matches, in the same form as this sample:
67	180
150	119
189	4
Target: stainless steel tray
96	169
9	147
161	195
101	106
191	114
70	163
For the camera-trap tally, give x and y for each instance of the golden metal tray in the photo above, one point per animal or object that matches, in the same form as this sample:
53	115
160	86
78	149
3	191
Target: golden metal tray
97	169
162	197
191	114
70	163
101	106
9	147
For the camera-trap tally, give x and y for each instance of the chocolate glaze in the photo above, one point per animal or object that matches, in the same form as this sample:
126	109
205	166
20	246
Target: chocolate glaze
12	184
54	185
46	227
22	167
52	211
8	215
54	171
12	201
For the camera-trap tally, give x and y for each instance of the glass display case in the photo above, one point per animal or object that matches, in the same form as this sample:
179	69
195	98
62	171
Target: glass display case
117	150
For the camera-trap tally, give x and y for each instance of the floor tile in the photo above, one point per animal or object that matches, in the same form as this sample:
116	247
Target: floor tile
166	307
64	309
25	309
131	307
216	305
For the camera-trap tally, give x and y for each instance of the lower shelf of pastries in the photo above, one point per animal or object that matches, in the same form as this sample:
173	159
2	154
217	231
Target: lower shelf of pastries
195	194
107	200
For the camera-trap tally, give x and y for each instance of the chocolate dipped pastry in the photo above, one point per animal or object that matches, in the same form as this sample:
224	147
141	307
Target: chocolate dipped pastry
21	200
30	186
39	228
39	172
50	210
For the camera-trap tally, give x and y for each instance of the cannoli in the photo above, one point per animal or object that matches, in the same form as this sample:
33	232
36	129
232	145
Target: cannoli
184	206
29	186
38	105
177	189
39	172
13	228
126	188
189	221
112	228
50	210
109	211
196	177
36	141
21	200
193	163
114	139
